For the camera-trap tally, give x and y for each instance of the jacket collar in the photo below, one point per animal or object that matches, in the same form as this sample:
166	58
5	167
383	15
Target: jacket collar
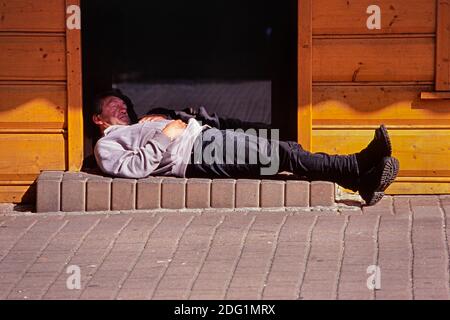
112	128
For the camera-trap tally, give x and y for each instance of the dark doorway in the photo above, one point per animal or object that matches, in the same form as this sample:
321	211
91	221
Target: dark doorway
234	57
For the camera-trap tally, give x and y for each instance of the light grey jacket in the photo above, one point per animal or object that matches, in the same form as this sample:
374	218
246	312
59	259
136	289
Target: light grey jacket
141	150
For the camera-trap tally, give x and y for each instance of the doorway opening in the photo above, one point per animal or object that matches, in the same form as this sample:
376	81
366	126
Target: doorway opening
237	58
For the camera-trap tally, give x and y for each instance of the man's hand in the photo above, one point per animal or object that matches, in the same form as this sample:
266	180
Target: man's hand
152	117
174	129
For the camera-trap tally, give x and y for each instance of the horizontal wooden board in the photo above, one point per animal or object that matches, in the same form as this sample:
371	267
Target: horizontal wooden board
422	153
18	193
32	106
28	154
380	59
32	58
359	105
32	15
414	185
423	187
350	17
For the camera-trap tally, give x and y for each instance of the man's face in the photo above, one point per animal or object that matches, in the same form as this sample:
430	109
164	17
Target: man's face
114	112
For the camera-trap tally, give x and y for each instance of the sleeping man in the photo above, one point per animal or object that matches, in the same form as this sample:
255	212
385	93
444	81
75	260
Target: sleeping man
196	145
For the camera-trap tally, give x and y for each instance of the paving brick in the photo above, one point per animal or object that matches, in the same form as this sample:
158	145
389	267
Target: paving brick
243	293
97	293
72	175
148	193
30	287
247	193
98	194
322	193
198	193
425	201
73	192
318	289
279	292
123	194
296	228
51	174
48	193
384	207
206	295
173	193
431	293
223	193
392	295
272	193
219	283
170	294
131	294
401	205
297	193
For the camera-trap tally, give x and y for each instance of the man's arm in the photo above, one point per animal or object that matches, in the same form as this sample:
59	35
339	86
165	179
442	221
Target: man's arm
114	159
138	163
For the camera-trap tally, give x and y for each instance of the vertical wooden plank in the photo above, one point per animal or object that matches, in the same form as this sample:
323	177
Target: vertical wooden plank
304	109
443	46
74	97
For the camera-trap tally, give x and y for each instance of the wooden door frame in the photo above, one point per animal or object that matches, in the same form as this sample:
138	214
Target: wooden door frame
443	46
304	94
75	132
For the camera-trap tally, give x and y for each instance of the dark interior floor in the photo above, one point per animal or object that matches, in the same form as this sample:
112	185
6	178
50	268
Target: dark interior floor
245	100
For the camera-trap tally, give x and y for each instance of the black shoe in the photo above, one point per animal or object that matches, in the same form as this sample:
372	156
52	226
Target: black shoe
377	149
378	179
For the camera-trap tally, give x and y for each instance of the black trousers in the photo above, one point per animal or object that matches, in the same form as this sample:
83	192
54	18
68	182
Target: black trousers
231	154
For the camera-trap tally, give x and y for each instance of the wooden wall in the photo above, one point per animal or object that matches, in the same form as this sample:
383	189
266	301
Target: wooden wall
40	94
351	79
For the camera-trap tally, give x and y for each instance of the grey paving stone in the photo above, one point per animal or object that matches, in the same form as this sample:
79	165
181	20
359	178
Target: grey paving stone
173	193
223	193
322	193
123	194
98	194
148	193
198	193
272	193
297	193
247	193
73	192
51	175
74	176
384	207
48	192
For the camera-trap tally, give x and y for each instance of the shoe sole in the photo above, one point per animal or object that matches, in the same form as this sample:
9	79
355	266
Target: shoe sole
387	139
390	171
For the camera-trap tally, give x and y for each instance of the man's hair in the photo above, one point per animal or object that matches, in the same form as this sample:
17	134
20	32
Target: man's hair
99	99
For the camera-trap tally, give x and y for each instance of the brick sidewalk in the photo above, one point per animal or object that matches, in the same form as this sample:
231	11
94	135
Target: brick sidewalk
231	255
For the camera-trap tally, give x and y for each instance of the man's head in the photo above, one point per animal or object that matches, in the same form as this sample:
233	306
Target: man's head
111	108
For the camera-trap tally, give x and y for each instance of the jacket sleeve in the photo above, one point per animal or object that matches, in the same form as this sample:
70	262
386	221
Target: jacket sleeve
117	160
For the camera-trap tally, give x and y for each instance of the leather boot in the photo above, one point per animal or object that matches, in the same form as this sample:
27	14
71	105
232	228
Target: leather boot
375	181
377	149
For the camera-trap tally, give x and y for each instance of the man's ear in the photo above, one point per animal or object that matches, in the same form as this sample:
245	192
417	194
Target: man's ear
96	119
